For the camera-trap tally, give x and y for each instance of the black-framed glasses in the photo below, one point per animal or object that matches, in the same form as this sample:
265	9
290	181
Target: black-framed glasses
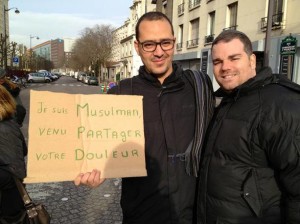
150	46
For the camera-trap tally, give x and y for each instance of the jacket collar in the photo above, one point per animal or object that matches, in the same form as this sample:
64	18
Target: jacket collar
174	80
262	78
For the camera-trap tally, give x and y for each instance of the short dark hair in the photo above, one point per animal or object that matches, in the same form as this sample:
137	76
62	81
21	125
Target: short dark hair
228	35
152	16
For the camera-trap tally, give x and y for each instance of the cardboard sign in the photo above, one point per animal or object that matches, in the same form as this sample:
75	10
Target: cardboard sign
73	133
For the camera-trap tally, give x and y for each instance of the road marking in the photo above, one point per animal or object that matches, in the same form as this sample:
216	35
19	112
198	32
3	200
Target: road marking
57	84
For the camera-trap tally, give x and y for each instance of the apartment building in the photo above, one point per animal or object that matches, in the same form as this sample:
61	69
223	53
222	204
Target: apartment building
4	28
43	50
5	45
68	52
55	51
126	62
197	22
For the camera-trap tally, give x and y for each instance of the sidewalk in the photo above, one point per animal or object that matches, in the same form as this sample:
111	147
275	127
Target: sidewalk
69	204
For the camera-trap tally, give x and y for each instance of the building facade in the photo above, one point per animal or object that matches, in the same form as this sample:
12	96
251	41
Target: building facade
7	49
56	51
43	50
68	52
198	22
126	60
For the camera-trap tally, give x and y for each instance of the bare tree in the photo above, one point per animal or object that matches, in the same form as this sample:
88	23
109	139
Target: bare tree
93	48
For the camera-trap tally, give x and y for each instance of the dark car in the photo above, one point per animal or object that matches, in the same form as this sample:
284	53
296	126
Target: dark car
93	80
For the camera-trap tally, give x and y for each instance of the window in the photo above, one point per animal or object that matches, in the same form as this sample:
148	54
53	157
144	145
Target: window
164	6
211	20
277	17
181	8
278	7
211	27
180	37
233	11
277	13
194	3
194	33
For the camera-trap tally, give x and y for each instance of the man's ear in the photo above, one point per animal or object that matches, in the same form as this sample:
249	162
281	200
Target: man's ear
136	46
253	61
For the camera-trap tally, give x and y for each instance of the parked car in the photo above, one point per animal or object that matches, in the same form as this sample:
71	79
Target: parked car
58	74
81	76
52	76
93	80
38	77
49	74
85	79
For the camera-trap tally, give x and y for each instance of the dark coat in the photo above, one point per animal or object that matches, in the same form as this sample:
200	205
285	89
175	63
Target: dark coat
167	194
13	149
250	173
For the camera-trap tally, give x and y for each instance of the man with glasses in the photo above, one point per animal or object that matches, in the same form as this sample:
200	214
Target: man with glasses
167	194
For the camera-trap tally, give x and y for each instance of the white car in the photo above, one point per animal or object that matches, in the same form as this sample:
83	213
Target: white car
38	77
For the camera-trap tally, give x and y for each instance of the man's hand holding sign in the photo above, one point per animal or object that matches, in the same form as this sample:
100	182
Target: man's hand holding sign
84	134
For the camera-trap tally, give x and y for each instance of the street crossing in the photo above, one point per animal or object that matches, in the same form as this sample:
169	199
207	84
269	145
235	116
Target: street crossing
60	84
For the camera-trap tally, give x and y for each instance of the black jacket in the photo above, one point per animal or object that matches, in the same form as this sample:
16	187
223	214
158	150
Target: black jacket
167	194
13	148
250	171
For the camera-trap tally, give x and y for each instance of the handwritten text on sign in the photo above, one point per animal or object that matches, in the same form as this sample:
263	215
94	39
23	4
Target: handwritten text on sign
72	133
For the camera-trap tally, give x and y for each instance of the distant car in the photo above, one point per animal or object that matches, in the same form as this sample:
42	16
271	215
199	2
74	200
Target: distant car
38	77
80	76
49	74
52	76
93	81
85	79
58	74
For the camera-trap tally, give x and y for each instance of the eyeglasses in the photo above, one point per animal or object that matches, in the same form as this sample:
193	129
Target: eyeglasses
150	46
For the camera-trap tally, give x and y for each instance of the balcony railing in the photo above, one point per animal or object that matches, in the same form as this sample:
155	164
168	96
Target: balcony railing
276	21
194	3
180	9
209	38
231	28
192	43
179	46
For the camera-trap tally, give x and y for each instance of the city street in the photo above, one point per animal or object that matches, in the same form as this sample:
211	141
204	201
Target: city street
65	202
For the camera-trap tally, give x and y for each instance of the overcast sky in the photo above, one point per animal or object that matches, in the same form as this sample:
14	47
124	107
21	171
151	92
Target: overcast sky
52	19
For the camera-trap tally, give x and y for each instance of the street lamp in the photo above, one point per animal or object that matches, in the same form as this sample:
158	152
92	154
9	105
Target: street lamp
30	50
268	33
31	38
5	10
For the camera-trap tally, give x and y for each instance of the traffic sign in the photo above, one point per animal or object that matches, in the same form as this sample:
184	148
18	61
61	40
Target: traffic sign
15	61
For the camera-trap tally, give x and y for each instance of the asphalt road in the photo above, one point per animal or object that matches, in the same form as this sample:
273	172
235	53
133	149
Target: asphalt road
65	202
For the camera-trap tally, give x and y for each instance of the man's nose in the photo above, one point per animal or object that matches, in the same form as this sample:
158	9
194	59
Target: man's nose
226	65
158	50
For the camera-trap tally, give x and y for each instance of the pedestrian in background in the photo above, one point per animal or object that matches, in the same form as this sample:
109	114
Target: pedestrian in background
13	149
14	90
250	172
167	194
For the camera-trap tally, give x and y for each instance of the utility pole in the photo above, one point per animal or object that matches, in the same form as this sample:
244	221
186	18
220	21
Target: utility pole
268	32
5	40
5	10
